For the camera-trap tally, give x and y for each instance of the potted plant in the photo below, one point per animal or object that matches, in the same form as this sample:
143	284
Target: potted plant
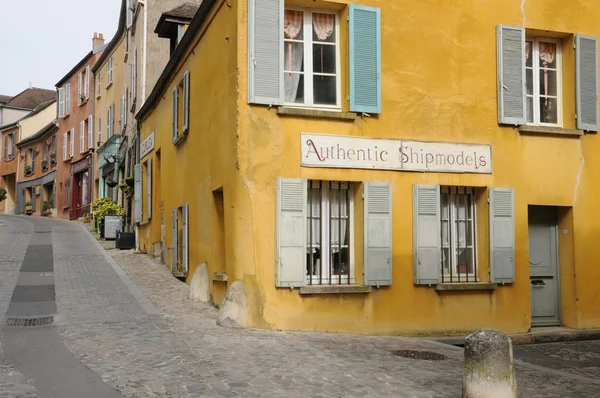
28	170
47	208
130	181
82	98
111	183
104	206
28	207
53	158
44	165
125	188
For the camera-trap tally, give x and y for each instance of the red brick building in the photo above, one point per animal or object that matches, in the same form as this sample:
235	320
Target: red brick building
76	136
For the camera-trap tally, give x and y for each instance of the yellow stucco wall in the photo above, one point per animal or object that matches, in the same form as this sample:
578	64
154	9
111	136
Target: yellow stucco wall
109	94
33	124
439	84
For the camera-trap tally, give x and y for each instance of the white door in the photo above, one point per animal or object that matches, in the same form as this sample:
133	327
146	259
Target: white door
543	265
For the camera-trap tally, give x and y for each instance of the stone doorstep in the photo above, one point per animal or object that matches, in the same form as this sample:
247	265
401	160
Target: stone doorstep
536	336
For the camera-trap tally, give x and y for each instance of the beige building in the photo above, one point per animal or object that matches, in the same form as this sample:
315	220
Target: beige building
14	108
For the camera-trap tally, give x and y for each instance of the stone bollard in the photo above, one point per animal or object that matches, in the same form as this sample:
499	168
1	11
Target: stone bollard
489	368
199	287
234	310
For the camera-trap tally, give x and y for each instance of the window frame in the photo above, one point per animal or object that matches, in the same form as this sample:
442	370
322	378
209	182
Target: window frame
453	273
325	235
535	41
98	85
308	60
109	71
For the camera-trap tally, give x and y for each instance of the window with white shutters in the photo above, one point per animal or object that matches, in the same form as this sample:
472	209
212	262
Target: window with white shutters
61	102
543	71
90	123
67	99
86	85
80	94
98	85
99	130
65	143
82	136
180	108
109	71
72	142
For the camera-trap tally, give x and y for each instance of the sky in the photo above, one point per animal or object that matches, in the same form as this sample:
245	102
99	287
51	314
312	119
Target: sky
42	40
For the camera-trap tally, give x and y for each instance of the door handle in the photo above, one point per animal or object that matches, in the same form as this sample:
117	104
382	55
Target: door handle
538	282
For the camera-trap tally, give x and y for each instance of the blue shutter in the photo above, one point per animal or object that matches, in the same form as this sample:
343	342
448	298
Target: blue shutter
378	233
175	106
186	101
137	191
365	59
586	71
265	52
510	42
185	239
290	267
174	241
502	235
149	189
427	235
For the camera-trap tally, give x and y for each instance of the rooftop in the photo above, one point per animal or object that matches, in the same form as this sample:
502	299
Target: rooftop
5	98
31	98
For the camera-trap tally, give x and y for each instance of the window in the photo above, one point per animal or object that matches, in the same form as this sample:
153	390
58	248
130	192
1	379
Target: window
98	85
181	111
130	10
179	249
67	99
99	130
72	142
329	233
109	121
311	58
9	146
109	70
82	137
543	78
133	91
61	102
83	86
65	142
90	129
459	260
29	167
123	120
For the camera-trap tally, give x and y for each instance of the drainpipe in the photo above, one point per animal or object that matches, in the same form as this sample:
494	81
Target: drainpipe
144	49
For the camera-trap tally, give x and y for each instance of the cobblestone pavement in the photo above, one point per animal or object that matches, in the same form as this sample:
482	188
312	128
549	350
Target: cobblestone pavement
177	350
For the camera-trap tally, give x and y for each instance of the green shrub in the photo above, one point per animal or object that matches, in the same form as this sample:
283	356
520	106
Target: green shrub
105	206
48	205
3	194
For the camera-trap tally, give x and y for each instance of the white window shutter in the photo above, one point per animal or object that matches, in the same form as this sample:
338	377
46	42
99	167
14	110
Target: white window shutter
90	132
265	52
502	235
79	88
427	237
137	191
65	138
586	67
510	42
61	102
378	234
149	189
175	105
186	101
72	142
174	242
82	136
184	238
99	130
290	262
87	82
67	99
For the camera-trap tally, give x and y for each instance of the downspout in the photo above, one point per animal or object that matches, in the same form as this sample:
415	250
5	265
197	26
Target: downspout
144	49
18	204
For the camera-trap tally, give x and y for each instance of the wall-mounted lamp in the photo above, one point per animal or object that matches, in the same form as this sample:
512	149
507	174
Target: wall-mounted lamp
111	159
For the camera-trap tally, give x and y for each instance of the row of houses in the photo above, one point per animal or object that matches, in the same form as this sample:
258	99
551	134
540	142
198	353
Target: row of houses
374	167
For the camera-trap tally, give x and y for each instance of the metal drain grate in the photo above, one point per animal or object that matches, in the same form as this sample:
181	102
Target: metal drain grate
29	322
423	355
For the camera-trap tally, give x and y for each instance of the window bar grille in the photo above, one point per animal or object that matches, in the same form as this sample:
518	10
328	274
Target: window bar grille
457	240
473	229
450	236
467	257
339	195
348	230
320	232
310	234
330	265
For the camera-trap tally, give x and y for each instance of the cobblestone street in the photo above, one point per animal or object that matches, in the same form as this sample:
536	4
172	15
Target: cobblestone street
125	318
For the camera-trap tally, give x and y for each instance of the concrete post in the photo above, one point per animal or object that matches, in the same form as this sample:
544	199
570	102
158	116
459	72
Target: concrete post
489	368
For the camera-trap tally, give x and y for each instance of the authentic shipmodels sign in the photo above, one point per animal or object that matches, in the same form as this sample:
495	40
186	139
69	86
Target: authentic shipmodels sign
321	150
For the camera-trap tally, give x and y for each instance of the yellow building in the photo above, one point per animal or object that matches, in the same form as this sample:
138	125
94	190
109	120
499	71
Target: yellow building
110	111
382	167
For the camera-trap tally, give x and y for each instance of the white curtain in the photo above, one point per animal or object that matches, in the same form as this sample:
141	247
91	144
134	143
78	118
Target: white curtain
295	53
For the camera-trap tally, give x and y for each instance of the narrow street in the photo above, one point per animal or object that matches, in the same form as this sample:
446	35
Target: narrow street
80	321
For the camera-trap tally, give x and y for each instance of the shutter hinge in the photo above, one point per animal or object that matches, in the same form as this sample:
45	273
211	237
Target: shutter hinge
488	199
489	270
574	46
362	195
363	271
575	116
347	17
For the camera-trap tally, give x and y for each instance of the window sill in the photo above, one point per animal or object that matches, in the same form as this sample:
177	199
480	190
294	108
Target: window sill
335	289
180	138
145	222
525	129
452	287
287	111
108	85
220	277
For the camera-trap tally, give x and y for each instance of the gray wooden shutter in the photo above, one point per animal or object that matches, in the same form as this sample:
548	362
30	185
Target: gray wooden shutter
586	67
14	144
6	147
174	243
511	74
186	101
79	89
61	102
365	59
87	82
427	234
149	193
265	52
290	267
502	235
378	234
175	105
33	160
137	191
184	239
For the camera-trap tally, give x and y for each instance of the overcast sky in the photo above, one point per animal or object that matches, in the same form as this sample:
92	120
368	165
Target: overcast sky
41	40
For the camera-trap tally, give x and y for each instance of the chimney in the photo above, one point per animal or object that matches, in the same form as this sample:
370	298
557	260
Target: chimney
98	40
